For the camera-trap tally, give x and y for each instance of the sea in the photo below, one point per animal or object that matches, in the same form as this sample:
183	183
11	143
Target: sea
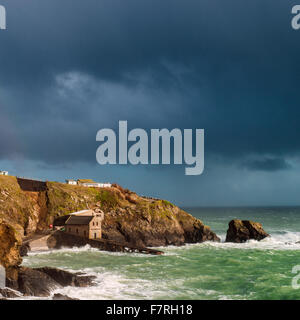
268	269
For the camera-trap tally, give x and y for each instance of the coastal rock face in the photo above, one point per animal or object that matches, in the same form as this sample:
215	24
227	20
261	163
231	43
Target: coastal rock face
8	293
131	219
166	226
21	209
24	249
33	282
149	222
243	230
65	278
40	282
10	243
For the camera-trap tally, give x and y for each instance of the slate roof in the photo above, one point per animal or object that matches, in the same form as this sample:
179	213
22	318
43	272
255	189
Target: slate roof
83	212
79	220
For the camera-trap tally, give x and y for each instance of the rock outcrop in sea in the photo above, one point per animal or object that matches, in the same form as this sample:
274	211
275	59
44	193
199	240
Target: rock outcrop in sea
242	230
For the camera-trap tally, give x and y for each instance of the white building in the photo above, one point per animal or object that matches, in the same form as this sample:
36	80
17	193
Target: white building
105	185
88	184
71	181
4	173
95	185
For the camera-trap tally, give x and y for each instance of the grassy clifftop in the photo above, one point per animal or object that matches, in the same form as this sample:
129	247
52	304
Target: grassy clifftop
64	199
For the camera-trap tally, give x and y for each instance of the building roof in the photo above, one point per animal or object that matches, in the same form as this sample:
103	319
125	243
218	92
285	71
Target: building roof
79	220
85	180
90	183
86	212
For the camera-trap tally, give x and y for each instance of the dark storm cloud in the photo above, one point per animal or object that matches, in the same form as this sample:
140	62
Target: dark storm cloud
69	68
267	164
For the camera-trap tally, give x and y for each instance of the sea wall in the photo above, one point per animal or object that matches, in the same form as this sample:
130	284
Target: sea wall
32	185
61	239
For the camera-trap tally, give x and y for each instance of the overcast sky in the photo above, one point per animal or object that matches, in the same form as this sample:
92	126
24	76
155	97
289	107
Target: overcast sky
69	68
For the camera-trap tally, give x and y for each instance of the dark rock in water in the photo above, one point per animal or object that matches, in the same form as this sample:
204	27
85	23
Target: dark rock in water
65	278
11	280
24	249
8	293
58	296
40	282
32	282
243	230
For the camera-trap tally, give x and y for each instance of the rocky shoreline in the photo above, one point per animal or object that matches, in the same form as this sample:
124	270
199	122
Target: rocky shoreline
130	220
41	282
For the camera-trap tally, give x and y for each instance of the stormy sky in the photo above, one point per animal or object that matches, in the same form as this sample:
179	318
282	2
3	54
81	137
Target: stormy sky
69	68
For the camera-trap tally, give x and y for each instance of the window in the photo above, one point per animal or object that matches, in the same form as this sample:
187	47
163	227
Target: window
76	230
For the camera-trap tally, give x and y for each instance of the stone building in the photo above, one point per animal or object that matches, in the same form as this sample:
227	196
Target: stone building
71	181
86	223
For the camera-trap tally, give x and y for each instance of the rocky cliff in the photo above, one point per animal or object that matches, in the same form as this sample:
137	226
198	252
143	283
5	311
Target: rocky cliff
149	222
129	218
10	242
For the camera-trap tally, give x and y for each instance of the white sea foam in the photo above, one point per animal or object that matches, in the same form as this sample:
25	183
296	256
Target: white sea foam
284	240
112	286
86	248
63	250
113	283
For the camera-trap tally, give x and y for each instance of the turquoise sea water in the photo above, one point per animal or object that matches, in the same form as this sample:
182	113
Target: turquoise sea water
253	270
